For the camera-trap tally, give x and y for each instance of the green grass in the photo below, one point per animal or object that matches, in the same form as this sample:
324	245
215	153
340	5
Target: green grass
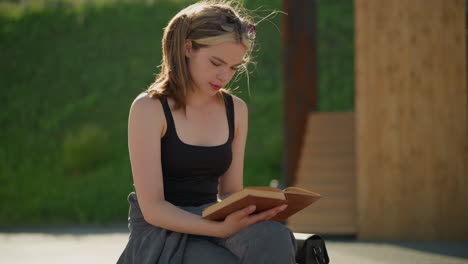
68	76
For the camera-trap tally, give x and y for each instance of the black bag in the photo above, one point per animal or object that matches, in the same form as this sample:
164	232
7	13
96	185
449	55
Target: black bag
313	251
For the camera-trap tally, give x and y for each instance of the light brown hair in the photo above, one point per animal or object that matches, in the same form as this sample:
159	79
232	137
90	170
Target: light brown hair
202	24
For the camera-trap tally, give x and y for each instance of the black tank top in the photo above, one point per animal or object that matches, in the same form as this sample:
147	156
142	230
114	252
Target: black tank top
190	173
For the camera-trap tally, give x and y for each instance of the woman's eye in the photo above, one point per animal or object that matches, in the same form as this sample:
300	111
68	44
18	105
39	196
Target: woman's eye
215	64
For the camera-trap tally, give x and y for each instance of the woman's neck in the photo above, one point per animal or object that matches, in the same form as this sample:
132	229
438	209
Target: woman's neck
199	100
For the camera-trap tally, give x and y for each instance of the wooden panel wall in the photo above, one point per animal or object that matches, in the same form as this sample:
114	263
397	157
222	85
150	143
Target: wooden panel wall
327	166
411	111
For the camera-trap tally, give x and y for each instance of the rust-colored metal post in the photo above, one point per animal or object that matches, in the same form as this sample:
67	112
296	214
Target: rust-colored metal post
299	29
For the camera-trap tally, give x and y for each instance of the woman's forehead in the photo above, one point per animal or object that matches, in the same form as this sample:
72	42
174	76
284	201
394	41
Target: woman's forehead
229	52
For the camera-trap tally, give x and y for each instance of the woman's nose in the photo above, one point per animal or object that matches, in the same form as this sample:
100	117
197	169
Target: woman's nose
223	76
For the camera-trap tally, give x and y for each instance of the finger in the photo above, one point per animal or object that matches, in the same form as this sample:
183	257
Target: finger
277	211
269	213
245	211
280	208
262	216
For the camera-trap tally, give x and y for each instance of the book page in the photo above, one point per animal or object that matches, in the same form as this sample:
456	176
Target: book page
297	190
264	188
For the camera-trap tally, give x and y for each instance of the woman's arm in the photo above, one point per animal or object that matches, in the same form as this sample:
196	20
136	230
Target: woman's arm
145	128
231	181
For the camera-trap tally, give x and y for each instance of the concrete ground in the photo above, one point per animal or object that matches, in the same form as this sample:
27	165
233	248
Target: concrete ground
104	245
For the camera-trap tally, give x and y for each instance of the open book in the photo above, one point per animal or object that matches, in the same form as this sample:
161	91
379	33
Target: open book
263	198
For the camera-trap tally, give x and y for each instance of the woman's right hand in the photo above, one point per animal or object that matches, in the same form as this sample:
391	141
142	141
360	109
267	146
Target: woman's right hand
241	219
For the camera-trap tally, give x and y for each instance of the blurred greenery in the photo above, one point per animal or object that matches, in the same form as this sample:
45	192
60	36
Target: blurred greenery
69	72
335	55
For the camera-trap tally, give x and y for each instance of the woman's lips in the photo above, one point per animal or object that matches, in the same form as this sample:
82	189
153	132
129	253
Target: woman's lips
216	87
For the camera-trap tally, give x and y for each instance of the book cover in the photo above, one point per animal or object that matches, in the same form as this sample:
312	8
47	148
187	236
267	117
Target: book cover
263	198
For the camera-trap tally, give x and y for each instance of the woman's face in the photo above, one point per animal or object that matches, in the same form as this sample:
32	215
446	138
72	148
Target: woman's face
213	67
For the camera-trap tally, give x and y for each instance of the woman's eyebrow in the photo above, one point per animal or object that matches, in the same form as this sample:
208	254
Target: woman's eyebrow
224	61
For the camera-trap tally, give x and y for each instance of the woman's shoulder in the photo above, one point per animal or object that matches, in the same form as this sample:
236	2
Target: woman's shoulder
147	109
143	100
239	105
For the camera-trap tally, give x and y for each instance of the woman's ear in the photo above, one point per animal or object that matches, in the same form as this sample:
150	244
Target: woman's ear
188	48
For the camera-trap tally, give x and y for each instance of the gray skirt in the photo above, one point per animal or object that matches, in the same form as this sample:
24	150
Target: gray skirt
264	242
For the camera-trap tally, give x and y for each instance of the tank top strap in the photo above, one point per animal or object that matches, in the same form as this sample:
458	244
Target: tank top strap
168	115
230	114
229	103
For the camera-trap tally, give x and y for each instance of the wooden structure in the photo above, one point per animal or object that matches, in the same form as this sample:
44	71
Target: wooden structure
327	166
319	147
411	113
405	168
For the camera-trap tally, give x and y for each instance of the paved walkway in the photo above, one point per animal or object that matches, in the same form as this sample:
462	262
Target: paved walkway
104	246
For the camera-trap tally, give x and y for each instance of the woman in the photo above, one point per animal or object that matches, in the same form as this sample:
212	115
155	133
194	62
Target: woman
186	138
